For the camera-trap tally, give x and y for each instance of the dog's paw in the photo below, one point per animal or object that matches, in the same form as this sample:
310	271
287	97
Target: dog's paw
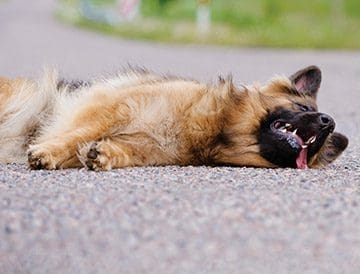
334	145
94	156
40	158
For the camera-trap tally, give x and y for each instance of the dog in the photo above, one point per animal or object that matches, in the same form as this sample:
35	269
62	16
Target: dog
139	118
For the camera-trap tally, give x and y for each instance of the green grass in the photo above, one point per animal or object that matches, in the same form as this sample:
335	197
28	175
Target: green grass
262	23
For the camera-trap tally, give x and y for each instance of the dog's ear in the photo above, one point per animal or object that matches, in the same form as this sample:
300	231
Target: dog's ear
334	145
307	80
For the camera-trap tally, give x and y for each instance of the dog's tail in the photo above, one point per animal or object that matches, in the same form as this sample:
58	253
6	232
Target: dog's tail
24	104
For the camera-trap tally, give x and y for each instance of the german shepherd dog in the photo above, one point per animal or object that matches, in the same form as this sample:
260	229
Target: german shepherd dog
139	118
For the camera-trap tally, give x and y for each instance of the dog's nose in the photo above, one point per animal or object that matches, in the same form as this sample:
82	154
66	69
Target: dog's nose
326	121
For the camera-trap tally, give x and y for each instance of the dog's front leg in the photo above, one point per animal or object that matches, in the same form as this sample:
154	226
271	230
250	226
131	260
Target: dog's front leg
107	154
334	145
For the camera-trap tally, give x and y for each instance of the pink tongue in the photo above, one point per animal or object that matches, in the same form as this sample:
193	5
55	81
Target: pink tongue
301	160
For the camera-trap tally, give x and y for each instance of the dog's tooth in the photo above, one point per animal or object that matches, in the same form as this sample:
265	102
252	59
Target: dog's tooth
294	132
283	129
304	146
287	125
313	139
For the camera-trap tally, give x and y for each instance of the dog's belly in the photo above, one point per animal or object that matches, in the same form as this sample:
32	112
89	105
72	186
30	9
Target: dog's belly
157	124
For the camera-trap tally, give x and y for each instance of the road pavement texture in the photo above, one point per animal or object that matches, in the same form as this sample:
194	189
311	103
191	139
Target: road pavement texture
177	219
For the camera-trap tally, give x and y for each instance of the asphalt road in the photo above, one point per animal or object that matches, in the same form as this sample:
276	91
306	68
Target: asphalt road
177	219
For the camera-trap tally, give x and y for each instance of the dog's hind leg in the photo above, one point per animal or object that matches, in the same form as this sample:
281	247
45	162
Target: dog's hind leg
59	152
58	147
124	151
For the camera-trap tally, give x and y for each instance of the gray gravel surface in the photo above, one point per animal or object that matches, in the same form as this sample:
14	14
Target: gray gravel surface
177	219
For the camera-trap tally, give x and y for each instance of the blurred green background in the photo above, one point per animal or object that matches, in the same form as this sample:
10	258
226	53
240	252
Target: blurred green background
260	23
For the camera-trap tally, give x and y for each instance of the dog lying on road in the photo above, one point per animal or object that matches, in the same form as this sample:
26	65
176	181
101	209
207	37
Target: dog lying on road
139	118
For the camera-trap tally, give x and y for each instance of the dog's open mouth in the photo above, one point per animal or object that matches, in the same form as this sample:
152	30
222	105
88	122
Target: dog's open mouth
292	137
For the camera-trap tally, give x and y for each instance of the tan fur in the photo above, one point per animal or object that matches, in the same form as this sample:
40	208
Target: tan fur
136	119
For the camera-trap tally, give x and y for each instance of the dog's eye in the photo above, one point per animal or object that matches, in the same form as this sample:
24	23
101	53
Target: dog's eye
303	108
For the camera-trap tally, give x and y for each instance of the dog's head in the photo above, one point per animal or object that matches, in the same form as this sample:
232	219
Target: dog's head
284	127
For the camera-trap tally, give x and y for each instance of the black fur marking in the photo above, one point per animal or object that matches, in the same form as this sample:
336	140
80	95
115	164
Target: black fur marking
140	70
276	148
143	71
222	139
72	85
206	156
281	148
